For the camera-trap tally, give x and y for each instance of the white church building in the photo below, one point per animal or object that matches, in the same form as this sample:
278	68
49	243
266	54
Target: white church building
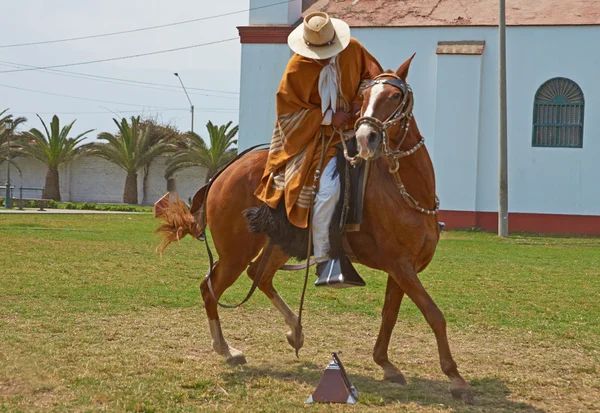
553	81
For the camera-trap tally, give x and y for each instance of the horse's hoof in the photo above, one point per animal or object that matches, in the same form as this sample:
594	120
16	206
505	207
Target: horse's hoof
462	393
394	377
235	358
295	343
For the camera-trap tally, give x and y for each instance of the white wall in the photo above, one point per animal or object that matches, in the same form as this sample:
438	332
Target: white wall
457	129
99	181
554	179
284	14
262	68
541	180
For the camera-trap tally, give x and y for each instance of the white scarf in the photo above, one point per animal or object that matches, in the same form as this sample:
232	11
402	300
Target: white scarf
328	87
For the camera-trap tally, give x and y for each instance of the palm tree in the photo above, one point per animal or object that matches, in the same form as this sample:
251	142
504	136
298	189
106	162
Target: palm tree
158	132
197	153
132	149
14	149
54	148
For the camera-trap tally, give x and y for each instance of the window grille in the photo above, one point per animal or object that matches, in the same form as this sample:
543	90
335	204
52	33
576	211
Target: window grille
558	114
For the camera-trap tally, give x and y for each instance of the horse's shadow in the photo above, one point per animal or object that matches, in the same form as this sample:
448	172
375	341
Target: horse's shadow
490	394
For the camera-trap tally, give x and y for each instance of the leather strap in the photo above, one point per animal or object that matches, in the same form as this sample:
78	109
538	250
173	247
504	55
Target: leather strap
395	81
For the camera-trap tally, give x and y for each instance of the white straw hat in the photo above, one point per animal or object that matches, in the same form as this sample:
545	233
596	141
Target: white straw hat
319	36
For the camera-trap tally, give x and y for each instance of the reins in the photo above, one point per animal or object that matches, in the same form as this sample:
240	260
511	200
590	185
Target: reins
313	193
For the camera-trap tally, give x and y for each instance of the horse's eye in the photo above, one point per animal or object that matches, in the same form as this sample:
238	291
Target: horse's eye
396	96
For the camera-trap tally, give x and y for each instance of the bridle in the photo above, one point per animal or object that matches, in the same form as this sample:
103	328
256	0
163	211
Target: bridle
401	116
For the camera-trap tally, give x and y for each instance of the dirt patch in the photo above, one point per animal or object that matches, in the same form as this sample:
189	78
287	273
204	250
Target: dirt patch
161	359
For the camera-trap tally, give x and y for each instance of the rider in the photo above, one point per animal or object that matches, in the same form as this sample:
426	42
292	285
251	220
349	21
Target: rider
320	90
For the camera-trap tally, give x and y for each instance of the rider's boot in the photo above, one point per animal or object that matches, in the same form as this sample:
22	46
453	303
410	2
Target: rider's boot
338	273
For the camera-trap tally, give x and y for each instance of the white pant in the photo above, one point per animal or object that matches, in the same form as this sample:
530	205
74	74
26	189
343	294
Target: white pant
325	202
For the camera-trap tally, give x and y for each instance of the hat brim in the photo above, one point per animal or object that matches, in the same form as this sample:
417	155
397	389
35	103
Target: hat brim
340	42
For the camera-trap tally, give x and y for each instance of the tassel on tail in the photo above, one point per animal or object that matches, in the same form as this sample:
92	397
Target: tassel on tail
178	221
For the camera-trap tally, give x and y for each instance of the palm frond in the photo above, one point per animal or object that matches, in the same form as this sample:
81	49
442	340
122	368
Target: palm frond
197	152
53	148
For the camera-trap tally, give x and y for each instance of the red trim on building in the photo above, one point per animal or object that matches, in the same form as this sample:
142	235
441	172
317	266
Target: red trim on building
540	223
264	34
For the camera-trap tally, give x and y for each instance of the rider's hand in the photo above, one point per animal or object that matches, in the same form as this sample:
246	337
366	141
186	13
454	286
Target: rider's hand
340	120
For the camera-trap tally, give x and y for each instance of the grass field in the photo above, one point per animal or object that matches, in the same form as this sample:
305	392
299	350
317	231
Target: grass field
91	319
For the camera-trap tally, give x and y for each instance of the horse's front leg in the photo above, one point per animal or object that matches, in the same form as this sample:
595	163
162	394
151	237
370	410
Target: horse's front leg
407	278
389	316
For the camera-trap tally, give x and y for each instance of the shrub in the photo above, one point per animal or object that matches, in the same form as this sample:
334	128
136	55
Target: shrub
119	208
52	204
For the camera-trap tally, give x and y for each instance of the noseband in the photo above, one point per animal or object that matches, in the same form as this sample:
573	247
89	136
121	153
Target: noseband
402	115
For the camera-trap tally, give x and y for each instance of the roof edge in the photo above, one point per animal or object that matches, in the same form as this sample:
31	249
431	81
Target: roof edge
277	34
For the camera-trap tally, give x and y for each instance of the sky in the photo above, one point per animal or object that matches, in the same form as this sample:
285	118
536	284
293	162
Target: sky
215	67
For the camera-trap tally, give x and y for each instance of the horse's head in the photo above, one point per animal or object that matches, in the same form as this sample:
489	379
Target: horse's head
387	103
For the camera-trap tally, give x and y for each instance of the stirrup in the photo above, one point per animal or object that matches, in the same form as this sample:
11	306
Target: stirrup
338	273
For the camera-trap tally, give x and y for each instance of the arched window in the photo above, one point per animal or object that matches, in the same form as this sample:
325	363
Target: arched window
558	114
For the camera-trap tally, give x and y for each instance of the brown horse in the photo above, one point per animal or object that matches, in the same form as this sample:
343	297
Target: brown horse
397	235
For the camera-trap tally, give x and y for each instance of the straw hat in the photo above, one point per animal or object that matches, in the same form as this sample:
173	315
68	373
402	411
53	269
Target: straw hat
319	37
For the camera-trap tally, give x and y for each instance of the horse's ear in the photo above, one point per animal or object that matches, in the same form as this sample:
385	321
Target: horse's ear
402	71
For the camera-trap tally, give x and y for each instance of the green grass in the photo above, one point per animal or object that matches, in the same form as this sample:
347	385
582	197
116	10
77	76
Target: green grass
81	206
548	285
92	318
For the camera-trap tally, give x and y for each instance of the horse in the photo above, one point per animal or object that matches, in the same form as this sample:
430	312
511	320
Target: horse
398	235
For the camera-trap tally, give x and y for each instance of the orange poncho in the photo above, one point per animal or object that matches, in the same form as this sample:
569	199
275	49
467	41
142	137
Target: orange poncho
296	146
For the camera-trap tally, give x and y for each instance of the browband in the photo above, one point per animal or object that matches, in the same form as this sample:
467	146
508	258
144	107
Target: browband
396	82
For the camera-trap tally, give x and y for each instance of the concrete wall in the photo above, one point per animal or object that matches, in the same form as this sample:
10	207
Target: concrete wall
262	67
457	129
99	181
456	107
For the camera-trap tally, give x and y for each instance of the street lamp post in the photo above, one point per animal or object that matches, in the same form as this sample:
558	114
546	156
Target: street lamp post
188	98
8	125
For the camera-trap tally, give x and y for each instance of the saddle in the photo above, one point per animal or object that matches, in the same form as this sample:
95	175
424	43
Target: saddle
353	181
292	240
347	217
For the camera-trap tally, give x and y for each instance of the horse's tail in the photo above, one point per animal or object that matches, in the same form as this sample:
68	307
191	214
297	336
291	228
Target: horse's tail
178	221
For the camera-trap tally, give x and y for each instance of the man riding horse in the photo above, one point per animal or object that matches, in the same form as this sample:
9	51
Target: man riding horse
317	101
399	230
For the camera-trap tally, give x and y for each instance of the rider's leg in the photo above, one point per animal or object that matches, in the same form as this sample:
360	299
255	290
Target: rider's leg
324	207
339	272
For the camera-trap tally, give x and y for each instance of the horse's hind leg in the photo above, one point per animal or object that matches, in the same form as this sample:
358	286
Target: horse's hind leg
225	273
276	261
389	316
409	282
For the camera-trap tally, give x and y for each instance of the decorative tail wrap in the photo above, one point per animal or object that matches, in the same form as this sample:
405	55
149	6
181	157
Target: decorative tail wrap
181	220
178	221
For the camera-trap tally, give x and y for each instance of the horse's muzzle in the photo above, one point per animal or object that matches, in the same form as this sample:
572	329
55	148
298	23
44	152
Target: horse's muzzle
368	141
